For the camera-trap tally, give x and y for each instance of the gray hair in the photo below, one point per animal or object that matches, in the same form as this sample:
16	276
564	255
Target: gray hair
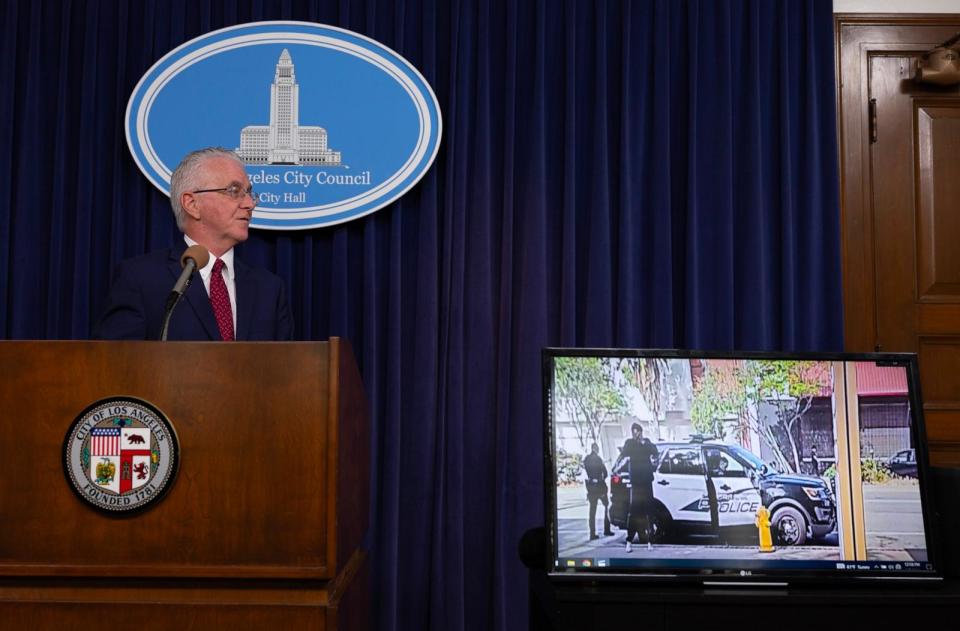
185	177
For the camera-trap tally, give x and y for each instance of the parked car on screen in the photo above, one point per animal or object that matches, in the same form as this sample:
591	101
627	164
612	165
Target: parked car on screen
903	463
801	506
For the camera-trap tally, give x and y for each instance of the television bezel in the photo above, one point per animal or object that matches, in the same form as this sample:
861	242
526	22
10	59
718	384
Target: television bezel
772	576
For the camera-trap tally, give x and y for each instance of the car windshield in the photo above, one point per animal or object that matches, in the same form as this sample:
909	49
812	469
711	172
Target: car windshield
747	456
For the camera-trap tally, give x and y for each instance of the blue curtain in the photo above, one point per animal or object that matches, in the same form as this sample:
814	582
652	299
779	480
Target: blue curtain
659	174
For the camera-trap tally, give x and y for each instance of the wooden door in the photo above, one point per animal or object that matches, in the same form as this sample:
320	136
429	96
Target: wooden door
900	183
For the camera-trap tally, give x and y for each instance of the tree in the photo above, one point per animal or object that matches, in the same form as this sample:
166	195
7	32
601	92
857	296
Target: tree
791	387
738	388
646	374
717	395
586	389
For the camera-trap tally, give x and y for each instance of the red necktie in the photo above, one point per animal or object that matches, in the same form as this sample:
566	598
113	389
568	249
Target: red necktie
220	300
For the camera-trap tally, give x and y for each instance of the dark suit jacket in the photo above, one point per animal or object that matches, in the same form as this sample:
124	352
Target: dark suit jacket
134	309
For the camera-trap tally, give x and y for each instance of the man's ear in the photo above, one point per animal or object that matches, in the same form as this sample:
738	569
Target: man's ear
189	203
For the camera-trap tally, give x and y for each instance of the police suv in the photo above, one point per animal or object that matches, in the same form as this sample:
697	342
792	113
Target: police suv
705	486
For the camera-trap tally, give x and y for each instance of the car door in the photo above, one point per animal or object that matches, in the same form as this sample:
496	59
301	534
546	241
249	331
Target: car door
737	499
680	484
620	492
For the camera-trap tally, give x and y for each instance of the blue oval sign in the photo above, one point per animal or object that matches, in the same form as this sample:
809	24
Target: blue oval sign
331	125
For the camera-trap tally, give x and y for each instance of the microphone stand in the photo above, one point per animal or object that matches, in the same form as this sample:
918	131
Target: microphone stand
190	263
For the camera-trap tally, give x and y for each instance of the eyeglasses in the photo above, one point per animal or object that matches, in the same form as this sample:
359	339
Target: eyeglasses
233	191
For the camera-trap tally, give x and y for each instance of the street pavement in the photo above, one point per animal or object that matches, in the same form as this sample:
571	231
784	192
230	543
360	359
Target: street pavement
892	516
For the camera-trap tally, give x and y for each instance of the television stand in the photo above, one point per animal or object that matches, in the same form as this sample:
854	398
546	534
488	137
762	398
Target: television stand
565	605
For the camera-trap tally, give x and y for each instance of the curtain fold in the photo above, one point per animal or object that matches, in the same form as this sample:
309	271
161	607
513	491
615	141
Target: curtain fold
636	174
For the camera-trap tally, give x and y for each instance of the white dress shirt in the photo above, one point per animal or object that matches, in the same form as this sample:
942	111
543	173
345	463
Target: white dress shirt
229	275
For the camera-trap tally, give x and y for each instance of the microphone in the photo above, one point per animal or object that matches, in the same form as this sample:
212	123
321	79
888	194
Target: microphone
195	257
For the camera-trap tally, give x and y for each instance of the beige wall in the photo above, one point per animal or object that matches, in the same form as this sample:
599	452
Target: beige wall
896	6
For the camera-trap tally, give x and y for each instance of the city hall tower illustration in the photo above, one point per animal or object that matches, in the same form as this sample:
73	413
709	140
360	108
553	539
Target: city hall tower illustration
285	141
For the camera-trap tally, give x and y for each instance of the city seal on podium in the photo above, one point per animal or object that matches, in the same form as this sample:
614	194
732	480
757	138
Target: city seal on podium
121	455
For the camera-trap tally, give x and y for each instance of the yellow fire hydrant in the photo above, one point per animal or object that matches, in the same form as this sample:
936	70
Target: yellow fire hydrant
763	524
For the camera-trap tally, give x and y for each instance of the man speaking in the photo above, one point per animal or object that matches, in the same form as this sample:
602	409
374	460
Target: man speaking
213	202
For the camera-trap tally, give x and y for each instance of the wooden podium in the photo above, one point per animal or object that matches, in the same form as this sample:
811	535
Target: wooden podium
261	528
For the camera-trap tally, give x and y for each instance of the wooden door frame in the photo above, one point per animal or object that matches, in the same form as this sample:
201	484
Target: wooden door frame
852	50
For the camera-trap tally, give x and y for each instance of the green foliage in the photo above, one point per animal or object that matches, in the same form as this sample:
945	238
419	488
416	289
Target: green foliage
586	390
873	472
588	380
717	395
569	467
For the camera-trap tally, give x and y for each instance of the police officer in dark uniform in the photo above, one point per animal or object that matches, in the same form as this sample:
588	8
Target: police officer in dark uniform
596	490
643	462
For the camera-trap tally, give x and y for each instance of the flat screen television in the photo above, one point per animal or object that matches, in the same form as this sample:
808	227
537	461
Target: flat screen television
735	468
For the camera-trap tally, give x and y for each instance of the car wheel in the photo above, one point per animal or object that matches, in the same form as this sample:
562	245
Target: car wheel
660	525
789	527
